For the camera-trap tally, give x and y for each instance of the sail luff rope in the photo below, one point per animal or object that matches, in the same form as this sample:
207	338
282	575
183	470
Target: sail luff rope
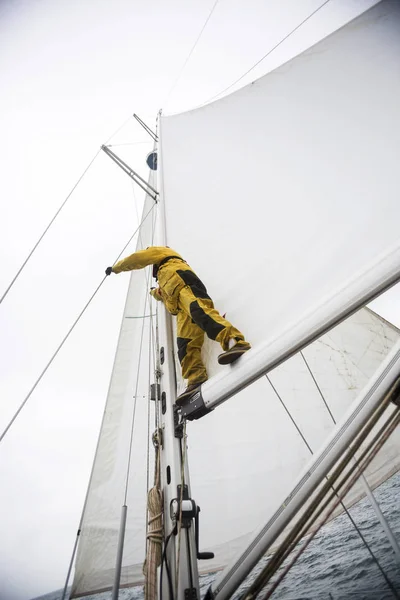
68	334
334	490
190	53
287	36
56	215
299	529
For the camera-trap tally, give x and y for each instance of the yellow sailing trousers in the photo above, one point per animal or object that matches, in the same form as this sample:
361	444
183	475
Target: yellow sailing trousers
195	317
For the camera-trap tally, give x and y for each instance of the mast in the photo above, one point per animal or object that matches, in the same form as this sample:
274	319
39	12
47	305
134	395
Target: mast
180	511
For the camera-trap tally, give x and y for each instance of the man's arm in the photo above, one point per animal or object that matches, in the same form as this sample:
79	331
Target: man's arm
142	258
156	293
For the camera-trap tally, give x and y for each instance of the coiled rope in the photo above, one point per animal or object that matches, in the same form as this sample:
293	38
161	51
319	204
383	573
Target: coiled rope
155	529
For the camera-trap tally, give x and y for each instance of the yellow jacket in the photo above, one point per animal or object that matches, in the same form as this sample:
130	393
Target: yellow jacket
169	280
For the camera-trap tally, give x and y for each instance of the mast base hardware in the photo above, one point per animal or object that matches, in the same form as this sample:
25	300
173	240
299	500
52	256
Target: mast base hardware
190	594
157	438
178	423
187	512
155	391
193	407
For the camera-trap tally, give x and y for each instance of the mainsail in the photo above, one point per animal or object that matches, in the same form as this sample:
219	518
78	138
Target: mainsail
279	197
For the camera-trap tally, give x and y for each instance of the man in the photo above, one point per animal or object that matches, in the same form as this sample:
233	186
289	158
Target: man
185	296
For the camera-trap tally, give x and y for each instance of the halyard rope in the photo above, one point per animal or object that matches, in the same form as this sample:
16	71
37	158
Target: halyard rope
155	530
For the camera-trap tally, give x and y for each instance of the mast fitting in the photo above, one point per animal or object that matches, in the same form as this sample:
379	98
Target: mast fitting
188	512
194	407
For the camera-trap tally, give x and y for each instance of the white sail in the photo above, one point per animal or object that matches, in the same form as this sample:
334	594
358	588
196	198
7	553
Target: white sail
283	195
106	495
243	458
278	196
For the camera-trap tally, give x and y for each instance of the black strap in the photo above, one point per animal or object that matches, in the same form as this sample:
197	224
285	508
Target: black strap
163	261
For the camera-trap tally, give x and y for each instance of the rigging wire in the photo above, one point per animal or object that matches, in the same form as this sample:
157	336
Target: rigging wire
324	497
69	332
378	442
318	388
265	55
57	213
48	226
368	490
135	396
190	53
312	453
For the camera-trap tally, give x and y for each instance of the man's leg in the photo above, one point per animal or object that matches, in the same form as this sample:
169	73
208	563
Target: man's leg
190	341
203	313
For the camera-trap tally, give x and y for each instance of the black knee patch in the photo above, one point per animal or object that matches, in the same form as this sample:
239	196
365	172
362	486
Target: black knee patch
204	321
196	285
182	347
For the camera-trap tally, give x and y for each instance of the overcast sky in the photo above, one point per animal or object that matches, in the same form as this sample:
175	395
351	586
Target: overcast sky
71	74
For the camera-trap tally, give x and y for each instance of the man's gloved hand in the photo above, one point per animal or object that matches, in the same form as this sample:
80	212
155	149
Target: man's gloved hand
156	293
108	270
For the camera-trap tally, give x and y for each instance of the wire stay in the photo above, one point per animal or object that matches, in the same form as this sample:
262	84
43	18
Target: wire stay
57	213
265	56
146	187
344	507
68	333
190	53
146	127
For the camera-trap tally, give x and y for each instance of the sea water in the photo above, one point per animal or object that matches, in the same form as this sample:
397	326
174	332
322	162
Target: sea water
336	565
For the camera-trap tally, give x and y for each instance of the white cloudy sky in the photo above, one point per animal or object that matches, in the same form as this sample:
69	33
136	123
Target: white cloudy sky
71	74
